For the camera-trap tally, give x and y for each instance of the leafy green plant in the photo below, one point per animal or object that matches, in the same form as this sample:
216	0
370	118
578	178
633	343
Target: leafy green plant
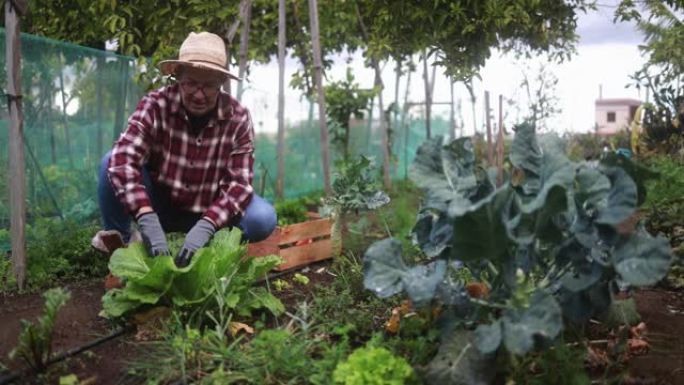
152	281
549	242
35	339
373	366
290	211
354	190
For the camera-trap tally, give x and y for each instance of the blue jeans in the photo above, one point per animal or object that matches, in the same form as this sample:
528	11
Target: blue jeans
257	223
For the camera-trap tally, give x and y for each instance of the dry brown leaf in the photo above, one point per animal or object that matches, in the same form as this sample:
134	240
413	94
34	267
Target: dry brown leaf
637	346
638	331
597	358
237	327
477	290
392	325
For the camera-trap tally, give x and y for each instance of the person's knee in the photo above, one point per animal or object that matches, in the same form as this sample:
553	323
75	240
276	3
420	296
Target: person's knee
261	220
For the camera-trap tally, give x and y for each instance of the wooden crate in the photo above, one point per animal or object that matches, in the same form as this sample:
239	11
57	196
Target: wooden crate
298	244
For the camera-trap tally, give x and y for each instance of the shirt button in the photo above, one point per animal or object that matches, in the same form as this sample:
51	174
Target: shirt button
199	141
192	164
187	186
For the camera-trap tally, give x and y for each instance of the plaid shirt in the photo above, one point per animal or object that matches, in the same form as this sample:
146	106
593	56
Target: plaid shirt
210	173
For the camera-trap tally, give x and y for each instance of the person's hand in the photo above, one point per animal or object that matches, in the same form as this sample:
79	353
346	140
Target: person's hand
152	234
197	237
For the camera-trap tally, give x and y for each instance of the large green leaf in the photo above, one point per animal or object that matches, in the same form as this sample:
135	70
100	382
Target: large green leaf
521	326
591	186
488	337
622	198
526	154
194	283
384	268
643	260
637	172
130	262
480	232
115	303
459	362
420	282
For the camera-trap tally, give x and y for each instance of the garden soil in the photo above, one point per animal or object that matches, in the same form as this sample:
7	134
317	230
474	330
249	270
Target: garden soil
663	312
77	324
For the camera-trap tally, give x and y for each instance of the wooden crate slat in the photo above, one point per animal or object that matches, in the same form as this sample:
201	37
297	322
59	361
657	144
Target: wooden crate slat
305	230
305	254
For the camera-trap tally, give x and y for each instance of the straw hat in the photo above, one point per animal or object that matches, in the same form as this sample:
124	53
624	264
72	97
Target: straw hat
200	50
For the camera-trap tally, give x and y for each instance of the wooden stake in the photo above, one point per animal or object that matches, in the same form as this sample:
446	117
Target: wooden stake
500	146
280	184
428	97
490	147
318	79
16	145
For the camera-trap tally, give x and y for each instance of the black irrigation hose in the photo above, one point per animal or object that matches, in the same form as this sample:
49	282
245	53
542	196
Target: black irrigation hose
8	379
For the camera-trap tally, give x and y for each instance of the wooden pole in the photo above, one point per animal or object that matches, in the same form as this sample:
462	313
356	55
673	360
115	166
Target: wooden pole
16	144
452	112
490	147
428	98
318	79
387	178
500	146
244	43
280	189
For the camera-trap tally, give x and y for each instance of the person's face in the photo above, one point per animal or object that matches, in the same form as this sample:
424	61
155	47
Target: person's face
199	89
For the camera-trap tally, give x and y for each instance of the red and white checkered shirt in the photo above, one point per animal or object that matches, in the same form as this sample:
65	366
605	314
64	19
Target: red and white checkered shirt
209	173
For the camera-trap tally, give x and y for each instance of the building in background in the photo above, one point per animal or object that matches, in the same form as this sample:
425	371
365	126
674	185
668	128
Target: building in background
614	115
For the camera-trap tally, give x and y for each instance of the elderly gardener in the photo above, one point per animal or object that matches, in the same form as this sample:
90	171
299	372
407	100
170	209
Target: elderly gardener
185	161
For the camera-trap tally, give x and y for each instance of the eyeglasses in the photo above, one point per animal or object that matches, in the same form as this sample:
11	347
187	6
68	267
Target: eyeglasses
208	89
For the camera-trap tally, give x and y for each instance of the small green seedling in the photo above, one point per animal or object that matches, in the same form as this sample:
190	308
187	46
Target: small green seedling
281	285
301	279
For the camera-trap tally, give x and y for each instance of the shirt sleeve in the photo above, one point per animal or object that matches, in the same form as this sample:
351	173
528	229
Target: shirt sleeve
130	154
235	189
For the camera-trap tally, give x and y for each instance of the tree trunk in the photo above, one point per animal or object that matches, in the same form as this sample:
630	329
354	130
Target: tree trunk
47	92
452	112
65	123
397	79
98	117
280	190
369	124
404	124
17	169
490	147
428	97
471	90
244	42
500	146
230	35
120	101
318	79
383	128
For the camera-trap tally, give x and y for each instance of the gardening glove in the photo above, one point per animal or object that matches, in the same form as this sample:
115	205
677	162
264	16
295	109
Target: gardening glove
152	234
197	237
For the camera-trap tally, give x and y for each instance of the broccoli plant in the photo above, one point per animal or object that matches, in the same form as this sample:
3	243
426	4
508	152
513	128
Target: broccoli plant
552	243
354	190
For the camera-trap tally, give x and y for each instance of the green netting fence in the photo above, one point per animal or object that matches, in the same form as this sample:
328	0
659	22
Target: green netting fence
76	103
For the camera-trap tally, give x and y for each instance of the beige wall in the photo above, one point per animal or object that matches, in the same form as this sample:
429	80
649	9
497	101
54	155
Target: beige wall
621	119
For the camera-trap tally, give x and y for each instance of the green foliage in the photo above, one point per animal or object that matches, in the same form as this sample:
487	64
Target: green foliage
35	339
562	365
670	185
373	366
355	188
290	211
547	242
151	281
344	99
57	251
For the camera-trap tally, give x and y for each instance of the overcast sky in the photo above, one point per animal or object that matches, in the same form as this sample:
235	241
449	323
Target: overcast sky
607	54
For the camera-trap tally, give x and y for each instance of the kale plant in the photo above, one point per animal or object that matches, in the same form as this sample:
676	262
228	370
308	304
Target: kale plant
551	243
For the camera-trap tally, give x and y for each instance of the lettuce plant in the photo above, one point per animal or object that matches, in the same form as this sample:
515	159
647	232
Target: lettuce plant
373	366
550	242
157	281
